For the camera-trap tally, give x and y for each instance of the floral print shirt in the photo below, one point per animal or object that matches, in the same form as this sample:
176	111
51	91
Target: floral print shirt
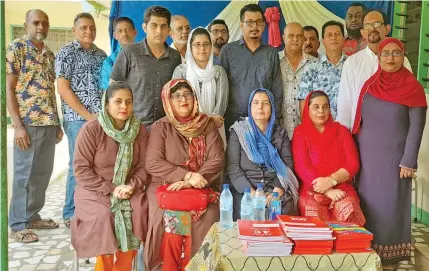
35	88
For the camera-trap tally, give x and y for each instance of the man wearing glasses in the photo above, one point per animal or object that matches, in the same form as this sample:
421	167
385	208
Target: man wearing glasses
249	65
219	34
358	68
124	31
179	32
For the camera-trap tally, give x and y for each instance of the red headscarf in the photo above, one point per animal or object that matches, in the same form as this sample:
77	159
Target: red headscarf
399	87
308	128
192	127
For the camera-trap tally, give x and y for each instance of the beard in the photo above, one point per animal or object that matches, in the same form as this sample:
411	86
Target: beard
218	44
40	37
374	37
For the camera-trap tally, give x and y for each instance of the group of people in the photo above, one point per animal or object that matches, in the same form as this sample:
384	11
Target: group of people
336	136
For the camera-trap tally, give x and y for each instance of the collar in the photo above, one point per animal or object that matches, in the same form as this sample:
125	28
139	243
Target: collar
369	52
31	45
145	50
242	42
78	45
323	58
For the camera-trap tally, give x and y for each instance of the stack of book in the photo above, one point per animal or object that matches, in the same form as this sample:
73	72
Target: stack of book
263	238
350	238
309	234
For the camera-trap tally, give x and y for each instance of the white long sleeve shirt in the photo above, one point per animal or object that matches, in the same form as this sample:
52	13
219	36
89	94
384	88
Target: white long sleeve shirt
357	69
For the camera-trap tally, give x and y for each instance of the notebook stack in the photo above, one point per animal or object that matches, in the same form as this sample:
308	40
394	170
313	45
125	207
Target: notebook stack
309	234
263	238
350	238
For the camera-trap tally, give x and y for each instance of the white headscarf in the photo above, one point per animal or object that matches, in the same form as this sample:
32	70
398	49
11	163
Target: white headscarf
206	95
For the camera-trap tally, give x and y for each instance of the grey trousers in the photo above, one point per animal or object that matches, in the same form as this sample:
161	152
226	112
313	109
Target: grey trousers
32	170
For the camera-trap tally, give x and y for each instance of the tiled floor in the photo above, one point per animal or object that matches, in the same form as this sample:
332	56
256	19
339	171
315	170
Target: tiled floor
54	252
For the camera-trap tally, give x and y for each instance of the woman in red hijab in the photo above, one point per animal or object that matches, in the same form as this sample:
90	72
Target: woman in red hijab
390	119
326	159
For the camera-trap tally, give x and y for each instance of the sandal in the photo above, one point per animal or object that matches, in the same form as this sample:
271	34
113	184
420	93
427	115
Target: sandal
44	224
67	223
25	236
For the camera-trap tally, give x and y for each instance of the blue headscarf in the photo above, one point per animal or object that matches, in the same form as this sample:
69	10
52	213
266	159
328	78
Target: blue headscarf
259	148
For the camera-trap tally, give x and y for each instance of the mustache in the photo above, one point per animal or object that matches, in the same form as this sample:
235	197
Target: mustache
308	46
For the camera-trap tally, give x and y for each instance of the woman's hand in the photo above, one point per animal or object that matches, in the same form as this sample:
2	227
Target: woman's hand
123	191
179	186
406	173
218	120
198	181
335	194
322	184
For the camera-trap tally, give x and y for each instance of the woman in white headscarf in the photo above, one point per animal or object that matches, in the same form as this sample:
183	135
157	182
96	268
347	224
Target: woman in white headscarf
209	81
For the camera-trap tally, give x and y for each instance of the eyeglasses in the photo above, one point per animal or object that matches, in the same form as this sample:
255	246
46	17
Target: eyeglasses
221	32
205	45
176	97
395	53
368	26
252	23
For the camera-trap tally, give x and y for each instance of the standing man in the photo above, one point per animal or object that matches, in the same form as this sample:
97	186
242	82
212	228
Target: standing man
148	65
31	103
124	31
354	20
311	41
179	32
359	67
249	65
219	34
325	73
292	63
78	66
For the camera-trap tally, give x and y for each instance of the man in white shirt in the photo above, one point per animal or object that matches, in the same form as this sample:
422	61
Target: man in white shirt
358	68
292	63
179	32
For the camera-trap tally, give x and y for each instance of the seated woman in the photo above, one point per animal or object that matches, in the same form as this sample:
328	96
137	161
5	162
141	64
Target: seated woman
209	81
259	151
109	165
185	150
326	159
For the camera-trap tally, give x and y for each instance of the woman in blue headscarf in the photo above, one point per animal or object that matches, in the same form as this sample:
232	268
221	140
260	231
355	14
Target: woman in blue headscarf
259	151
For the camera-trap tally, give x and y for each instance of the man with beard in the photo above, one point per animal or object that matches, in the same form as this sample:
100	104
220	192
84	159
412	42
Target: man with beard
311	40
30	89
354	17
325	72
219	34
179	32
359	67
292	63
249	65
124	31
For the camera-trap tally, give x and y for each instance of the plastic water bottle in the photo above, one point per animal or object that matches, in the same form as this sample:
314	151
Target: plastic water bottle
259	203
246	205
275	206
226	208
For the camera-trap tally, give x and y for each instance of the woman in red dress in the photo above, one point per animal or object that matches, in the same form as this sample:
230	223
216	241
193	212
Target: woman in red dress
326	160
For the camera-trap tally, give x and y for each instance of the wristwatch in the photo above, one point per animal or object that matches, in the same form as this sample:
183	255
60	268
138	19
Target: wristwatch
334	181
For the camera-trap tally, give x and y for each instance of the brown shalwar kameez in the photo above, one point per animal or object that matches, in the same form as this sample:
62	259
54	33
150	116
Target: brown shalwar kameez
92	226
167	148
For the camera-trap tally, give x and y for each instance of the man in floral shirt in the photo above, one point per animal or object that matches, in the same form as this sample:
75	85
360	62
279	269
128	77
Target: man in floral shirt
78	67
31	102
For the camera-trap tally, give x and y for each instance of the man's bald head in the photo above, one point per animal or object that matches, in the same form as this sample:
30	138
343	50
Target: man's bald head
293	36
36	25
31	12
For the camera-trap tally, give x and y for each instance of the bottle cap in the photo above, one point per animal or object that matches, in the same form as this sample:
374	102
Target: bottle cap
247	190
226	186
275	194
260	185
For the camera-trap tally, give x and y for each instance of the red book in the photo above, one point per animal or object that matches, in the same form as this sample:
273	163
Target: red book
260	231
301	223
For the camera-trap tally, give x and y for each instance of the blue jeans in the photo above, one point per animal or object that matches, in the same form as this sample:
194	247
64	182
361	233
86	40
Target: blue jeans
71	129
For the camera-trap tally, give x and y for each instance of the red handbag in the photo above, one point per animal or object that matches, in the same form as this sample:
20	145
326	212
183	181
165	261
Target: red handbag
190	199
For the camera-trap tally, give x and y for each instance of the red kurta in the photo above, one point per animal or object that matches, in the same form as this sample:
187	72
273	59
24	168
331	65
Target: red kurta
317	155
